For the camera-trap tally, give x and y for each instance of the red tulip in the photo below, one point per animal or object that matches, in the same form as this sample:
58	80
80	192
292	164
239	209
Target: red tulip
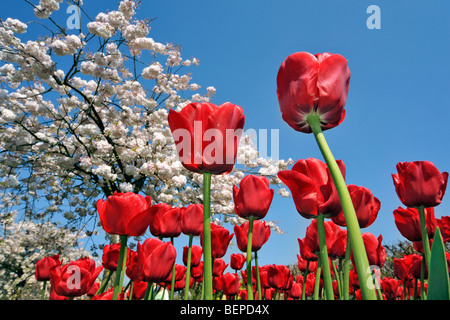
132	266
263	277
278	276
94	288
192	220
444	226
303	262
217	284
296	291
75	278
311	240
313	84
339	245
408	223
230	284
305	251
237	261
125	213
108	295
43	266
391	288
244	277
419	184
139	289
155	259
55	296
110	257
180	272
220	239
376	253
312	188
197	271
402	267
253	197
181	283
261	233
309	285
366	207
416	267
196	255
207	136
165	221
219	267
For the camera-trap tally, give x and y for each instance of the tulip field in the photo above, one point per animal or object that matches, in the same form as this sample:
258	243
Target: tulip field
144	196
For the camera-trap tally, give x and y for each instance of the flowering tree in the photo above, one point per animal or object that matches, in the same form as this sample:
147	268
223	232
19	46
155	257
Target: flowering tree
84	114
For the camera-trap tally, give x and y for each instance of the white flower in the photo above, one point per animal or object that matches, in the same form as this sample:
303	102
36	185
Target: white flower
153	71
125	187
15	25
101	29
11	181
6	115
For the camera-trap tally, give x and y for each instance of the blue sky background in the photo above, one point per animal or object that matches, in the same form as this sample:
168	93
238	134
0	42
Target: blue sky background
397	107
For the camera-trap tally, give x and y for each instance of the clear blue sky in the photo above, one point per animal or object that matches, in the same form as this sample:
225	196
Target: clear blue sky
397	107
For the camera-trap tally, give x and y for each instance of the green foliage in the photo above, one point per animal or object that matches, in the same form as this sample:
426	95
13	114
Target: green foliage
438	283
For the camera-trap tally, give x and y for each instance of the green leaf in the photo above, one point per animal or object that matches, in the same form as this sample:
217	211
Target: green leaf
438	281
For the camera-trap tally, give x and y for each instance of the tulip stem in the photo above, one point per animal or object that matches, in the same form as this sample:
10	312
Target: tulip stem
172	282
120	266
422	279
346	281
105	281
131	290
338	279
425	240
317	280
258	280
149	291
324	258
249	259
305	275
188	270
207	259
44	286
353	229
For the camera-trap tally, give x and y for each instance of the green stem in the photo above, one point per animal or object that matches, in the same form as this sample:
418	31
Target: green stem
105	282
258	280
207	260
353	229
188	270
149	291
328	285
305	275
249	259
131	291
422	279
172	283
120	267
44	287
346	281
317	282
425	240
338	280
404	291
